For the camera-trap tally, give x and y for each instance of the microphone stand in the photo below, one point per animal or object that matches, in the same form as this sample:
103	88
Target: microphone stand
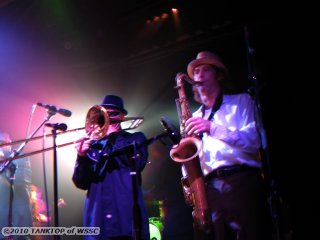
8	164
274	198
56	127
15	153
55	182
136	212
134	179
137	145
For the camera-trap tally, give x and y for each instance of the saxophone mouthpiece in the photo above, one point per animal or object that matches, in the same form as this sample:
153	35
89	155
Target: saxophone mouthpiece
197	84
186	78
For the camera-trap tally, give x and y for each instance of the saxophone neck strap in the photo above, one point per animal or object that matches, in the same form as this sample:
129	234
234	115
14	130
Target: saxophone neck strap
215	106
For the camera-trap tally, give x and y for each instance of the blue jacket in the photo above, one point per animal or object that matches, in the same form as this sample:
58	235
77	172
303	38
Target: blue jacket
106	172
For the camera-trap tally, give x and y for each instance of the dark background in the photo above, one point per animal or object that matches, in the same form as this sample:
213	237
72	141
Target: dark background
71	53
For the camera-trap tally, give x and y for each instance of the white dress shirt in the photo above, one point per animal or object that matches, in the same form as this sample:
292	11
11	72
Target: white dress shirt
234	138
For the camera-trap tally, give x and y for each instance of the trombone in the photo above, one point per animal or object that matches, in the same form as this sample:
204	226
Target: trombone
96	126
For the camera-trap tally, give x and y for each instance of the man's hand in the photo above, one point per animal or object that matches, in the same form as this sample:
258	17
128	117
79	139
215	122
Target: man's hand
82	146
197	125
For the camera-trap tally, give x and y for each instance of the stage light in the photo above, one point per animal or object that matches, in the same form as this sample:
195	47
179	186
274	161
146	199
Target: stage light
156	18
164	15
174	11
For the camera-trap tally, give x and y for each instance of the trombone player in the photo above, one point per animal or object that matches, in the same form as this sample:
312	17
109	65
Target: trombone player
114	200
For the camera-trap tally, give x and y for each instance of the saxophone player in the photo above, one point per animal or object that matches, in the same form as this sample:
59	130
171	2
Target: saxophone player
229	158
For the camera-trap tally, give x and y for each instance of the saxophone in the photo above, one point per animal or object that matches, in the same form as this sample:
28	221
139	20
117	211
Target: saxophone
187	153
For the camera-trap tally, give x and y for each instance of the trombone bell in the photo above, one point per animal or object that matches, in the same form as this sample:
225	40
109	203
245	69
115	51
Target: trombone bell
97	122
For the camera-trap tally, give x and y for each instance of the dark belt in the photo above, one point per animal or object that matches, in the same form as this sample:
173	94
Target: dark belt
227	171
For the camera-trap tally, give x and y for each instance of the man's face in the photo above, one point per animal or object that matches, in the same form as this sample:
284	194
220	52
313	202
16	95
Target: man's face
115	114
204	73
115	119
208	76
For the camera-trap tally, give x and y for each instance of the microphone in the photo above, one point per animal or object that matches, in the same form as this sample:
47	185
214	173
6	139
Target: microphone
54	109
171	130
57	126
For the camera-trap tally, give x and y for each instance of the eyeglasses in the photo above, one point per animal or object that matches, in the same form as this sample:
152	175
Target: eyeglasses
113	113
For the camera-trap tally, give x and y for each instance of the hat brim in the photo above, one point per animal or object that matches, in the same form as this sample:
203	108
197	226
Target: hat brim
210	61
115	107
